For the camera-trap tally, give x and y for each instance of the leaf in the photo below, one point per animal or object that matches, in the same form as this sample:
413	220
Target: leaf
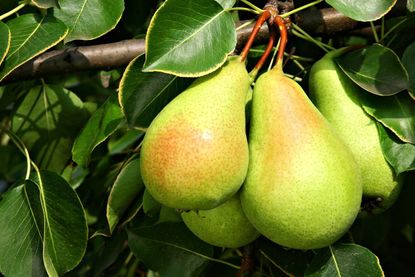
395	112
344	260
289	261
4	41
99	127
142	95
30	36
43	226
408	59
89	19
226	4
120	144
376	69
189	38
150	205
410	5
400	155
362	11
20	240
126	188
65	230
170	249
48	120
44	4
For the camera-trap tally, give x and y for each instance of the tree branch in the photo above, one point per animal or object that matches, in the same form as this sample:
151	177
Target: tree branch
113	55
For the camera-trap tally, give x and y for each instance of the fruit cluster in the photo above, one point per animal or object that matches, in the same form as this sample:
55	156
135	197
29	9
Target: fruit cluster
300	179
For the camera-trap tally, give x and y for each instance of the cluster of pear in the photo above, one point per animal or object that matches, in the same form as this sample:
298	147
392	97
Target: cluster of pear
299	181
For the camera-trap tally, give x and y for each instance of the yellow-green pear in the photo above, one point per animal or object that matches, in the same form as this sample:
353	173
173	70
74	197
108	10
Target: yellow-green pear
223	226
336	96
303	189
195	152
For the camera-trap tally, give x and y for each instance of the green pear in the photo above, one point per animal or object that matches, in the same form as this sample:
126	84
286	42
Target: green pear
303	188
223	226
195	152
337	97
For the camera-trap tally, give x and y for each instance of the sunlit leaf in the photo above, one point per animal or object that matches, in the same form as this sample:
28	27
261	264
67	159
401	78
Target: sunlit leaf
31	35
363	10
189	38
89	19
4	41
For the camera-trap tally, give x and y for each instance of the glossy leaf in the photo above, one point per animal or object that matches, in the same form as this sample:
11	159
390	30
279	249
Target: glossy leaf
400	155
99	127
396	112
170	249
226	4
4	41
126	188
120	144
142	95
44	228
48	120
377	69
44	4
189	38
89	19
408	59
30	36
362	10
150	205
344	260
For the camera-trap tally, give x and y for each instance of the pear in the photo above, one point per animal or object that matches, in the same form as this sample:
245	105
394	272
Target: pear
223	226
195	152
303	188
337	97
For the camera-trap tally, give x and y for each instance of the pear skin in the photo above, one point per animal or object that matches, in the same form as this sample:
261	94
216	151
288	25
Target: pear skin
336	96
195	152
223	226
303	189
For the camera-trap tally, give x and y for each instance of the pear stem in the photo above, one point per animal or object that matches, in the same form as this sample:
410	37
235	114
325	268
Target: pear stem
283	40
262	18
268	50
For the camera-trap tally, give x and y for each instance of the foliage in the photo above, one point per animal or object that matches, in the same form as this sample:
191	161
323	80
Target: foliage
71	196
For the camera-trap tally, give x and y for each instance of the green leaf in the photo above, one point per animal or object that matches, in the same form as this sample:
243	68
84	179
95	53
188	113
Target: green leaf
99	127
142	95
344	260
43	227
150	205
89	19
48	120
293	262
395	112
4	41
362	10
20	240
376	68
400	155
408	59
65	230
126	188
119	144
410	5
44	4
170	249
30	36
189	38
226	4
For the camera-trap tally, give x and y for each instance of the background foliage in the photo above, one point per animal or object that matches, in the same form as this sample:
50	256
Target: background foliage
71	197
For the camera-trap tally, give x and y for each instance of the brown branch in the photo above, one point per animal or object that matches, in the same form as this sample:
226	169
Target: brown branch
247	263
113	55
